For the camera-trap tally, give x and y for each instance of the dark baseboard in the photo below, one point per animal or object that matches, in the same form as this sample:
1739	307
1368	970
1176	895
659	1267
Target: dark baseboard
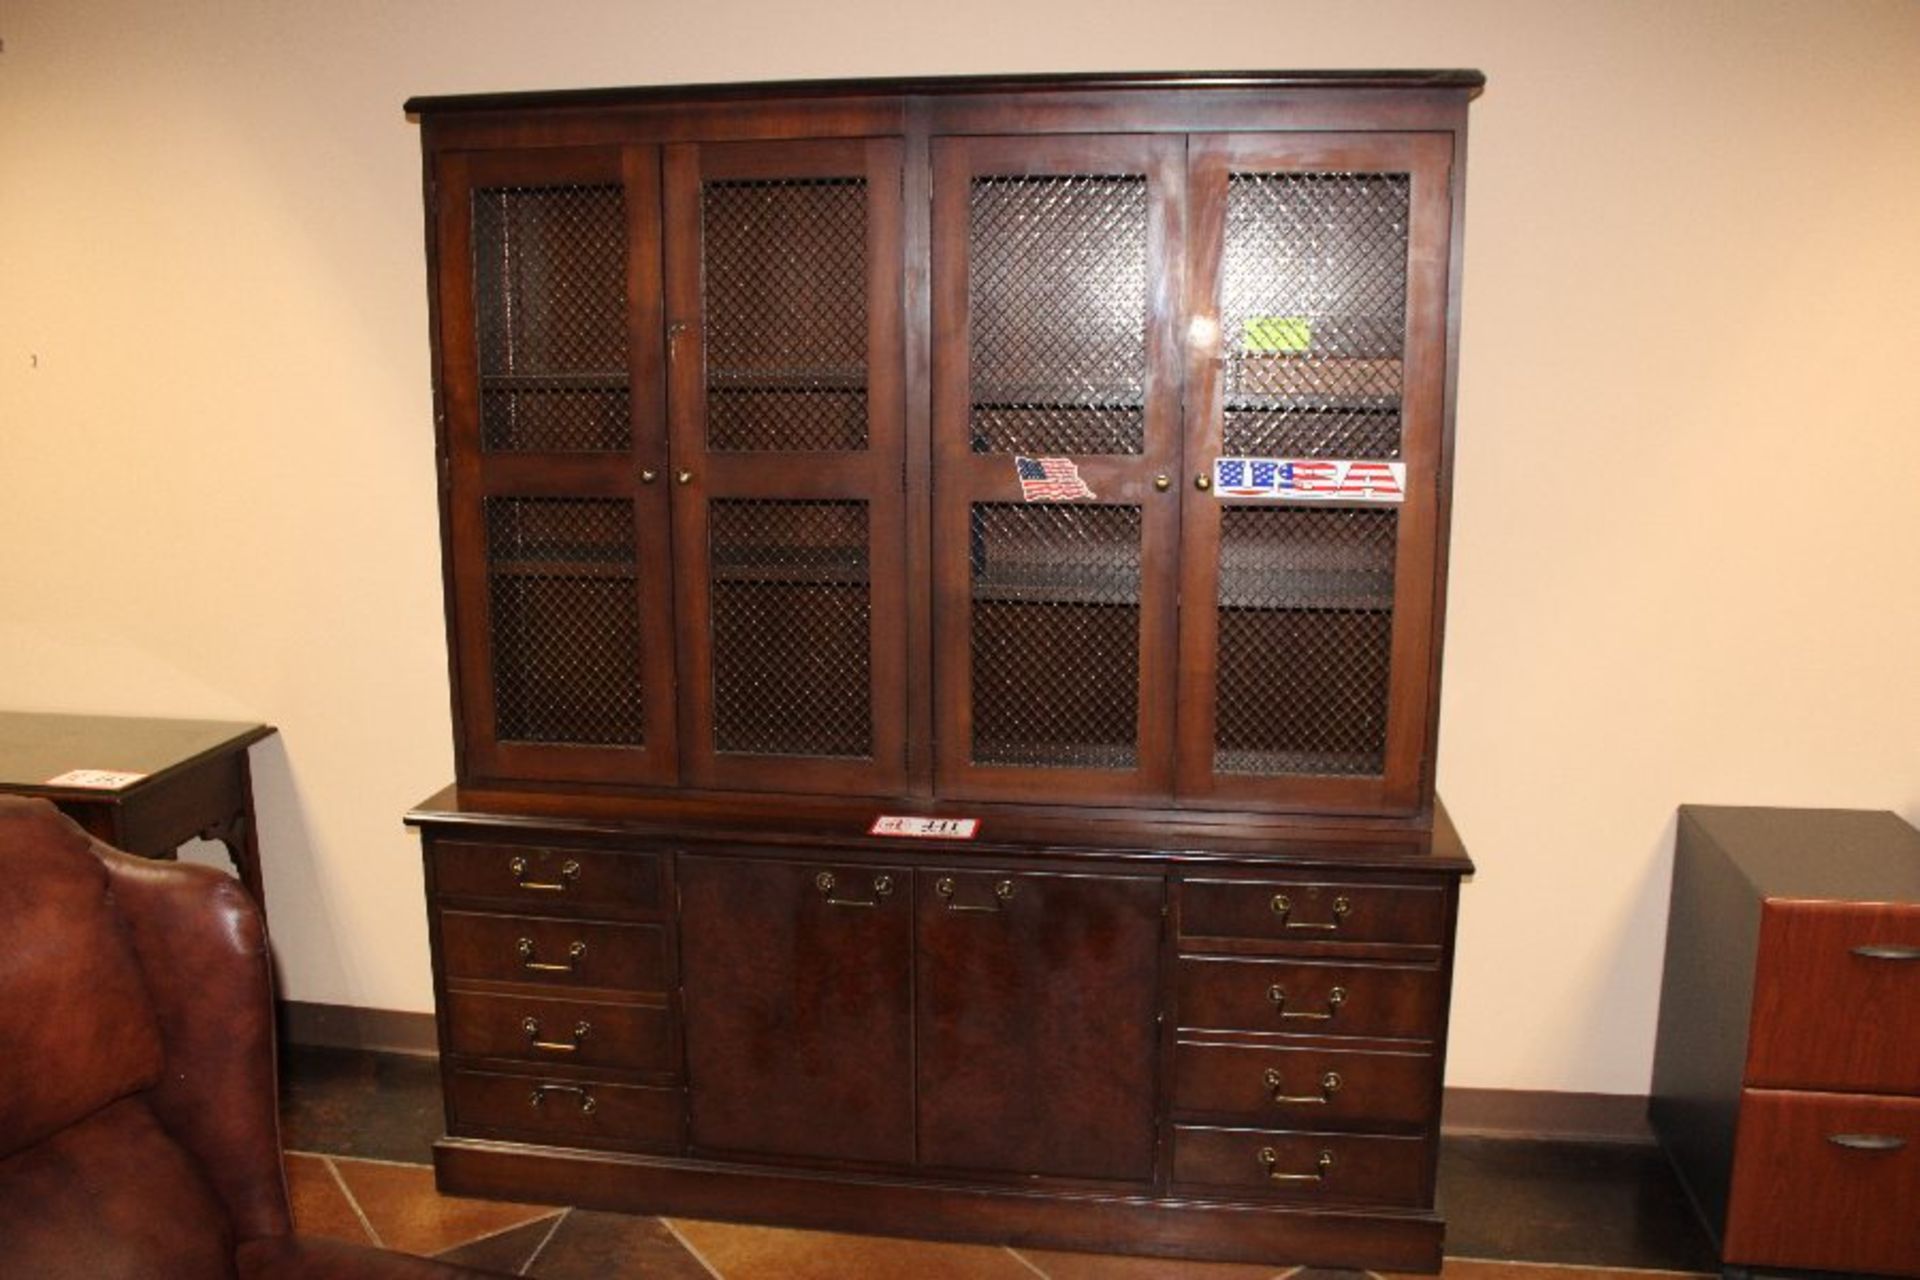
1538	1113
1481	1113
339	1026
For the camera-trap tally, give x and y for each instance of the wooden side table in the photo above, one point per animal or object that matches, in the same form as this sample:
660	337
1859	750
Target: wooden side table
195	783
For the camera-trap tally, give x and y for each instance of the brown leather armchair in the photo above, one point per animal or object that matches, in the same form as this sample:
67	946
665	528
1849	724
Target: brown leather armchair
139	1128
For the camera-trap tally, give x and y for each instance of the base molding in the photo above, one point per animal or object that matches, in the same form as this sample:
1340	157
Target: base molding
341	1026
1234	1231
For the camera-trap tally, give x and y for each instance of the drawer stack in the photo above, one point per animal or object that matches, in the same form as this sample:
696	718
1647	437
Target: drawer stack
1310	1015
1787	1074
556	971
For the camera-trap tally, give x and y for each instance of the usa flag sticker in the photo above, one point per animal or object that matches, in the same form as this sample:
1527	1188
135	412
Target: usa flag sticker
1310	479
1049	480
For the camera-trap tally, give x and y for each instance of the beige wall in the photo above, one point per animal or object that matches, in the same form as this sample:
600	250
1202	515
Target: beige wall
1686	552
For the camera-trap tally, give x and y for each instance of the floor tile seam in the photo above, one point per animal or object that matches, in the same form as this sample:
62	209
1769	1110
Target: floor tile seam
553	1229
687	1244
1026	1262
335	1155
353	1202
483	1237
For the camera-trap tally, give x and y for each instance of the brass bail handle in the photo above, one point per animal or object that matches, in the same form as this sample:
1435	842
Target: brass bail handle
1269	1159
531	1026
946	887
540	1092
1282	906
1329	1085
532	964
1335	998
569	872
827	883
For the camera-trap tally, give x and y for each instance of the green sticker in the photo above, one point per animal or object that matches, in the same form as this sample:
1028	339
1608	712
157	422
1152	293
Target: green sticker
1276	333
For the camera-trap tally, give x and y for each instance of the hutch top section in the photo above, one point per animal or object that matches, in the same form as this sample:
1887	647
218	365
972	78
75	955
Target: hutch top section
1070	441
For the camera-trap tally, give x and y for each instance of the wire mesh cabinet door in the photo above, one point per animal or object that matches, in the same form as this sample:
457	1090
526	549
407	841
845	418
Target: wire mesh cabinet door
1317	279
1055	446
548	266
786	398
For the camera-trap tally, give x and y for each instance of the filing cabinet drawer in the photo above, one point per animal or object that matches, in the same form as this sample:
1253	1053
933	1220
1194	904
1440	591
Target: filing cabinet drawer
578	1112
1329	1168
552	952
1826	1182
1395	1001
580	1033
544	878
1837	998
1315	1086
1301	911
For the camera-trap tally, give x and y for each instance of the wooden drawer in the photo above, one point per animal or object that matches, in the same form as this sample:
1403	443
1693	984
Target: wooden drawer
560	953
1339	1087
580	1033
1837	998
1302	911
588	1112
1397	1001
544	879
1802	1199
1330	1168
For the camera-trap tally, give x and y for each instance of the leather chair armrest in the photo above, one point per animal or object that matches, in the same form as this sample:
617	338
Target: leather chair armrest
203	948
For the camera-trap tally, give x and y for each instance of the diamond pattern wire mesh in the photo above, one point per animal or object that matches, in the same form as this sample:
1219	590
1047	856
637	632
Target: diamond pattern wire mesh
786	313
1056	635
1319	257
1306	641
550	295
792	613
567	654
1058	306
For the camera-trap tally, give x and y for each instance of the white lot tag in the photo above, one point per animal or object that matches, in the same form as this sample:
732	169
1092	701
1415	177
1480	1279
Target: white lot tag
891	824
96	779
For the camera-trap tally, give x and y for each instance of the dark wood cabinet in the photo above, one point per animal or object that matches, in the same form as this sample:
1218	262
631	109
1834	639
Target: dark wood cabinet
1056	469
1786	1082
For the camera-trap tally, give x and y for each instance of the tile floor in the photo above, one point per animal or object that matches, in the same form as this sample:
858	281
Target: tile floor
359	1130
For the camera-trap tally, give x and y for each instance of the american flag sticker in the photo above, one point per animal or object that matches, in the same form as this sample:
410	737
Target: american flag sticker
1050	480
1310	479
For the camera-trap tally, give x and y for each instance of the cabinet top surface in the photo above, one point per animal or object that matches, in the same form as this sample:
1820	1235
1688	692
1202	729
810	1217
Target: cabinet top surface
1853	855
1464	80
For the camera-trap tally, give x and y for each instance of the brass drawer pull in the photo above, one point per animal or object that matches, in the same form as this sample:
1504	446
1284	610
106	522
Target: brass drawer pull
532	965
532	1027
1283	905
882	889
1867	1141
945	887
1335	998
1269	1158
569	872
1329	1085
1889	952
540	1092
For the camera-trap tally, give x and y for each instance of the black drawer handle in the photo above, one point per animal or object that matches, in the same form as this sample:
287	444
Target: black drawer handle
1329	1085
540	1092
1283	907
532	1027
1867	1141
1335	998
532	965
569	872
1888	952
1269	1158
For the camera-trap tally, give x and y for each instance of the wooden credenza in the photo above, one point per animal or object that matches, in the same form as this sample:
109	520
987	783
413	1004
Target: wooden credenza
1787	1076
1064	463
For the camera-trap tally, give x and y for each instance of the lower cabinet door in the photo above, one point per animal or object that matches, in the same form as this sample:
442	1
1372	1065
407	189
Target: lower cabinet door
1036	1022
798	1008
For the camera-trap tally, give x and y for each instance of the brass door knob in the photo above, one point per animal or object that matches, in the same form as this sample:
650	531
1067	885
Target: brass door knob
1163	483
1203	482
648	477
684	477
